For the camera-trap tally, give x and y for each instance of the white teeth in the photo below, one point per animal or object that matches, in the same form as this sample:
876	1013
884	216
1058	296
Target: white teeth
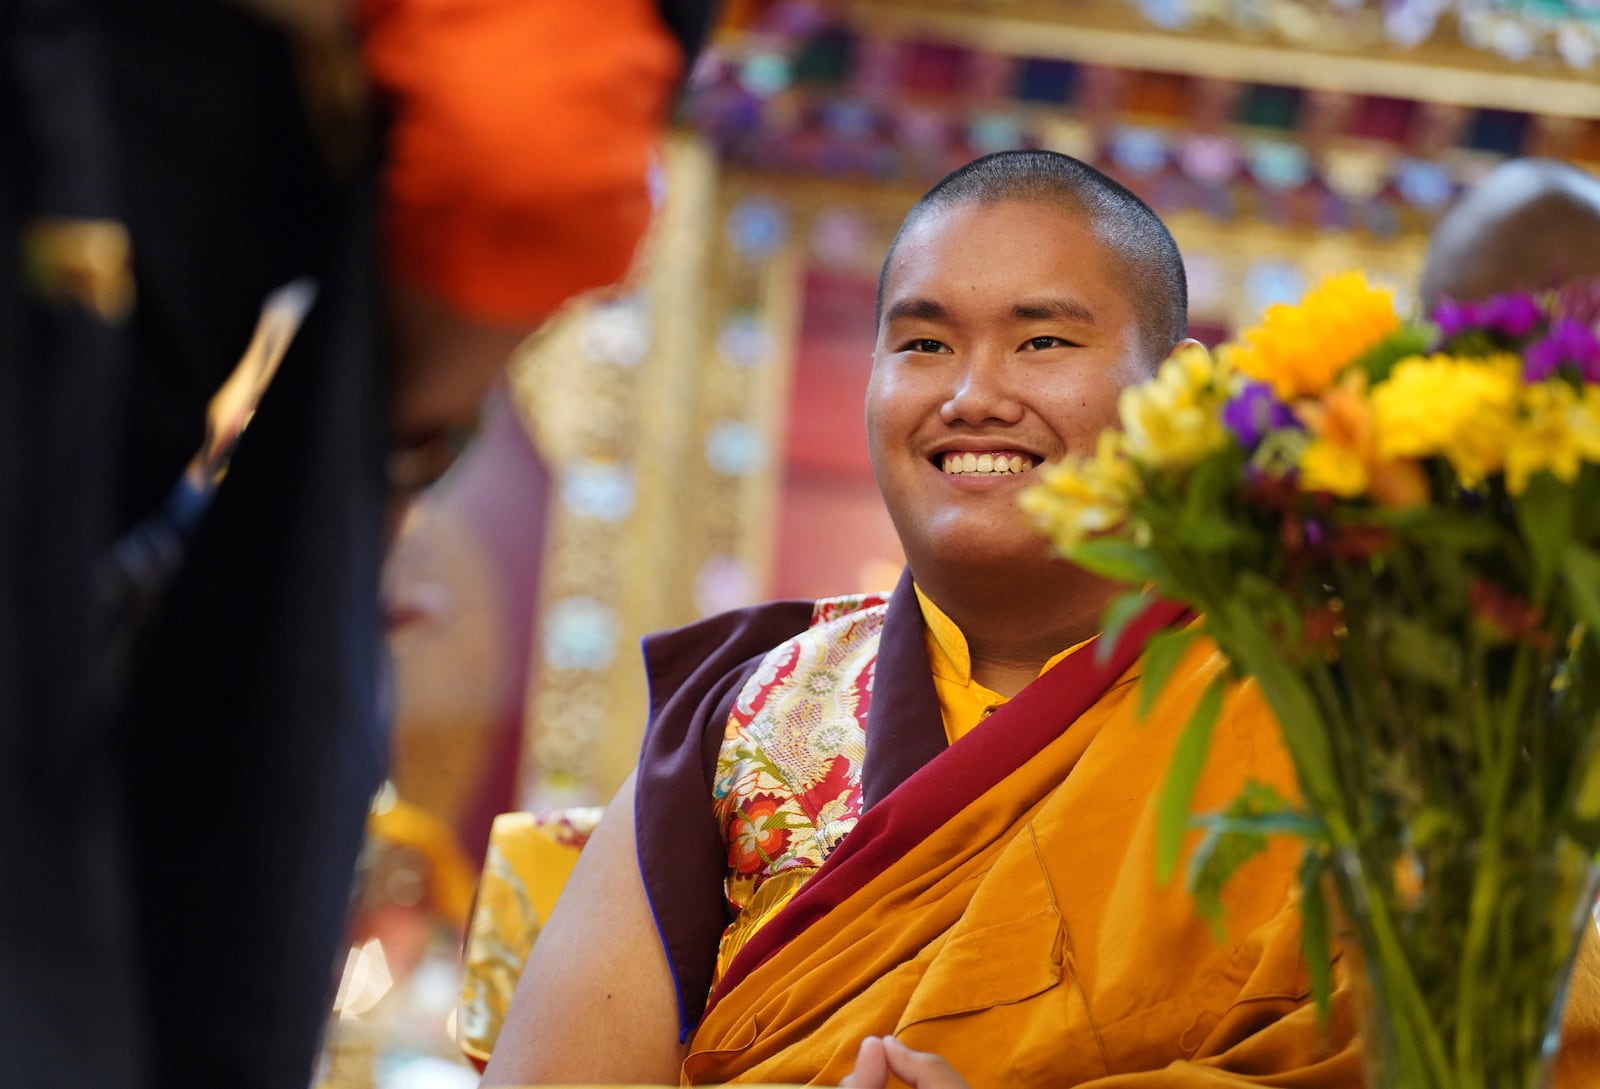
990	464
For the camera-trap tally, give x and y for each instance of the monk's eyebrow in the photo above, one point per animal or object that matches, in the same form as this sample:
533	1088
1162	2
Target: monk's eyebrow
1053	307
916	310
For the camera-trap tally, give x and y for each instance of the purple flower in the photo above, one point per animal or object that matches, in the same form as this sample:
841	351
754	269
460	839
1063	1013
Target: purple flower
1454	318
1541	361
1568	344
1254	411
1510	316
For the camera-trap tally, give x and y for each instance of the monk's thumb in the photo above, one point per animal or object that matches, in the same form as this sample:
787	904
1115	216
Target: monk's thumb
872	1069
921	1069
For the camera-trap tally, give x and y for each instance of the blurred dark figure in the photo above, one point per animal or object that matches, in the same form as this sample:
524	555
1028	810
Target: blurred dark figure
69	989
191	730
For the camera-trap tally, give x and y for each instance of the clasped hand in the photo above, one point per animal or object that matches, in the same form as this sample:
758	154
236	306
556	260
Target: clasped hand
881	1056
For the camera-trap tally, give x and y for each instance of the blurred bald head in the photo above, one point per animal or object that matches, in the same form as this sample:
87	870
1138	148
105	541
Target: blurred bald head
1528	224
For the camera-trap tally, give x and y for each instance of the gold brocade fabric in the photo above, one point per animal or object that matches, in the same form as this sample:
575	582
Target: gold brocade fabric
529	858
787	788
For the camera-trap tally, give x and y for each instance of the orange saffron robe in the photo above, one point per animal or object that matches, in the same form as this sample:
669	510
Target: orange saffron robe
1020	932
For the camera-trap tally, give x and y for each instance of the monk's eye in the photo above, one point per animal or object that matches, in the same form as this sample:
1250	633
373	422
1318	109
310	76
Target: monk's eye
924	346
1044	344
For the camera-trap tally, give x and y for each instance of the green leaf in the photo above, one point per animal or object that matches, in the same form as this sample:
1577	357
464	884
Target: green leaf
1204	525
1209	534
1261	811
1586	805
1120	561
1586	503
1238	628
1415	650
1219	855
1123	610
1161	655
1267	602
1235	836
1409	340
1582	570
1314	940
1544	515
1444	528
1183	776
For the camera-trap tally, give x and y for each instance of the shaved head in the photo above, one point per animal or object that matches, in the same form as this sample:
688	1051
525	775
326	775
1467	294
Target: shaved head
1137	241
1529	224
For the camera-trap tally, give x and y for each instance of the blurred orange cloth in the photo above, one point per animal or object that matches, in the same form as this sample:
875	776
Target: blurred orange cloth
451	878
521	140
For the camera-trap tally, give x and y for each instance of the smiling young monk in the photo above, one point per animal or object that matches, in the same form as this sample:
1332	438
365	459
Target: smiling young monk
931	814
927	816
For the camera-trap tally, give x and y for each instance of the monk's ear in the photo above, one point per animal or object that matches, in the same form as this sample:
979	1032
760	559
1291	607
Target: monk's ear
1186	344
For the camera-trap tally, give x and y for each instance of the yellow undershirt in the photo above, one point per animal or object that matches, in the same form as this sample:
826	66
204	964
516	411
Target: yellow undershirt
963	702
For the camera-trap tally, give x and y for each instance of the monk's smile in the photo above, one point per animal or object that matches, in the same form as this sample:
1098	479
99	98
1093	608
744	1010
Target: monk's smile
986	463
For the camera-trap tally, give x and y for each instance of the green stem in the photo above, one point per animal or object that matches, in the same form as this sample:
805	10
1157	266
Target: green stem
1299	720
1480	922
1402	996
1342	736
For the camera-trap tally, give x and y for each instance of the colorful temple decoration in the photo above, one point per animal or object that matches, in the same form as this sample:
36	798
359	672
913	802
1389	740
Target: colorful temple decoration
815	96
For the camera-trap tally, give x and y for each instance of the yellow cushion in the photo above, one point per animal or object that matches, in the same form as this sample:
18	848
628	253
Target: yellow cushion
529	858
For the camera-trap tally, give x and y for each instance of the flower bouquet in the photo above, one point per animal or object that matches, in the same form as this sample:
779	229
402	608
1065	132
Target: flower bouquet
1393	527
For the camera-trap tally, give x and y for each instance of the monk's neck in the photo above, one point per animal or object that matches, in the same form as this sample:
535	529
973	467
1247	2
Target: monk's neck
1011	637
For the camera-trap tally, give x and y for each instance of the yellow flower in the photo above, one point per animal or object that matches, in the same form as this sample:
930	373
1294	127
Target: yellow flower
1080	497
1458	409
1555	431
1301	349
1586	423
1327	466
1174	419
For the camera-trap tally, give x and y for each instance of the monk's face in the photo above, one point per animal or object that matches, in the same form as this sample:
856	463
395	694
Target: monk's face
1005	339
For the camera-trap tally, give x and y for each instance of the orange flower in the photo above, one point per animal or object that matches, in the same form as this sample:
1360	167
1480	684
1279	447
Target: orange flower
1342	457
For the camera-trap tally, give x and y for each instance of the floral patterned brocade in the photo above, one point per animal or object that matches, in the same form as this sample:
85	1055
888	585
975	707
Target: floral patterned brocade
788	776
